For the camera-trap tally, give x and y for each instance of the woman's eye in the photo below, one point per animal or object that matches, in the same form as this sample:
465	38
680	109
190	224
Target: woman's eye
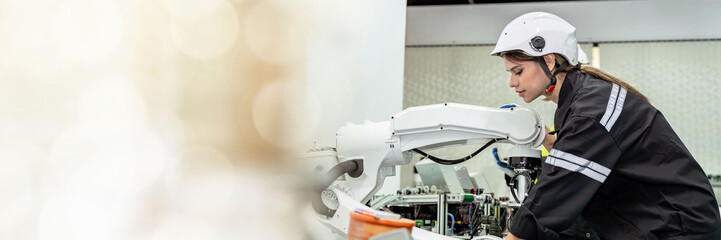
519	73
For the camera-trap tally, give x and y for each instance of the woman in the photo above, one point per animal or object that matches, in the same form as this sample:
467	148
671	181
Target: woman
615	159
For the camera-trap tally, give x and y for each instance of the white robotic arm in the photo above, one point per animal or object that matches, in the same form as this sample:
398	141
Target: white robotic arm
383	145
380	146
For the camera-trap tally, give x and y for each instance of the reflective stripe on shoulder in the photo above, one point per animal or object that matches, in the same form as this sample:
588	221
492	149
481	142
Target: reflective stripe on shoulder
578	164
614	107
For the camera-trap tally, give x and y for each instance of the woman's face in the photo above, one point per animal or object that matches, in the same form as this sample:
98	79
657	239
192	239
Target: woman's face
527	78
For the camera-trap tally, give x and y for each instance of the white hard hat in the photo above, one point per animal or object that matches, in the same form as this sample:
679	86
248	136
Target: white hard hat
582	58
538	34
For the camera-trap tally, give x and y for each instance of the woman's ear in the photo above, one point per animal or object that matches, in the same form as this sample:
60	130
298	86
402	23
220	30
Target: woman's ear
550	60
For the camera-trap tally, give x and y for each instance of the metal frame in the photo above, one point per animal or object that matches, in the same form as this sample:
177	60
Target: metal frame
442	215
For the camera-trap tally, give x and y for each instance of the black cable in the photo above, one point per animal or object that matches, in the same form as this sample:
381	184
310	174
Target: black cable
509	219
513	193
475	220
530	184
479	222
456	161
503	215
475	230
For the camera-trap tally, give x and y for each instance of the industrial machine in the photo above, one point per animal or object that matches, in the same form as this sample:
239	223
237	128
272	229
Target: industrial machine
365	154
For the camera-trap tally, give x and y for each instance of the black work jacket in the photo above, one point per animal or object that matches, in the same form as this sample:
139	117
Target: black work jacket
618	163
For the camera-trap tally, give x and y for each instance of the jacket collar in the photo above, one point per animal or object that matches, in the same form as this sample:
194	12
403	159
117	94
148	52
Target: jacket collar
565	97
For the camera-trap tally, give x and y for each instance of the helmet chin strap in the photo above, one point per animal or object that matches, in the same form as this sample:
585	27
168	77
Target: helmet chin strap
552	84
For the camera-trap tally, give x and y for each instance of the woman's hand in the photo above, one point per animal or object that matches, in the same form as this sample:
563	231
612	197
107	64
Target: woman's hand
549	140
511	237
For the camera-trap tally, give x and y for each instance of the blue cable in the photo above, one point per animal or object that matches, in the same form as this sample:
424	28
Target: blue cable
453	222
512	105
498	160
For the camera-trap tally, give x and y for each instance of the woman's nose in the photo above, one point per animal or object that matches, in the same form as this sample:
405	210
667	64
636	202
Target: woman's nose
512	82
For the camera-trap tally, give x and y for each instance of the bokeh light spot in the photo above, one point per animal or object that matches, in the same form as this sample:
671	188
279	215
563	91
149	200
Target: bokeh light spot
111	106
273	34
87	31
202	181
282	120
74	218
208	35
192	7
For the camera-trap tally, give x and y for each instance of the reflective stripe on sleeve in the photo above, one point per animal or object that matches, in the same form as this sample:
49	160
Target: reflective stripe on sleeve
578	164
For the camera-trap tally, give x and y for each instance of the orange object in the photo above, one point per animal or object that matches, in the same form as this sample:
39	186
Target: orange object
362	227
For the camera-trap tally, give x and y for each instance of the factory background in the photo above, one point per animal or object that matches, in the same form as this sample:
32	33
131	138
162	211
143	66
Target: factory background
671	58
